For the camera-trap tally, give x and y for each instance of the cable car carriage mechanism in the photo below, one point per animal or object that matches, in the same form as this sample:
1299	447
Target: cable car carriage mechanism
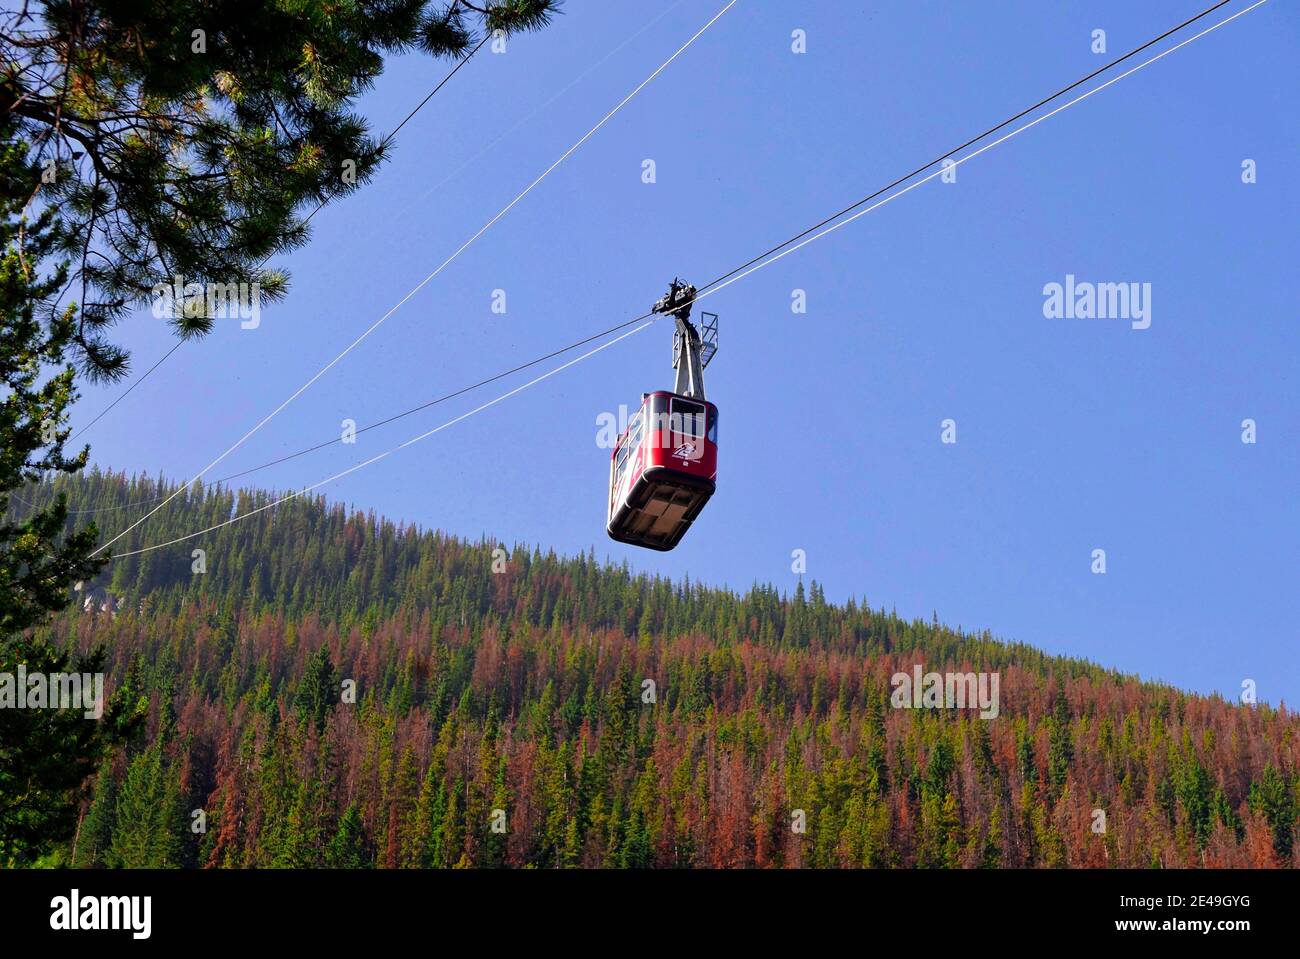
664	466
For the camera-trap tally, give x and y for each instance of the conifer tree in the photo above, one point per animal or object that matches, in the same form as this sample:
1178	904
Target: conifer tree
149	818
95	835
318	692
1060	749
350	848
45	754
193	139
430	809
1272	797
991	857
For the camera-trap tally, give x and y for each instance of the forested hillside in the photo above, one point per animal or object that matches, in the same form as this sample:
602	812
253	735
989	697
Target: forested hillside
333	689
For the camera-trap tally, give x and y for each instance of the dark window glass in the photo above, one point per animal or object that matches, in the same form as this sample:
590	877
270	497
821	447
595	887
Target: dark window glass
687	418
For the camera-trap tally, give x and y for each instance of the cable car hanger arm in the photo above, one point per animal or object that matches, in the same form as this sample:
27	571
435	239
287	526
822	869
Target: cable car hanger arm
687	359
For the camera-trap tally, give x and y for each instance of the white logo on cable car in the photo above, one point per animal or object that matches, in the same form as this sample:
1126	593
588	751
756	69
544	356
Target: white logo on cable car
686	451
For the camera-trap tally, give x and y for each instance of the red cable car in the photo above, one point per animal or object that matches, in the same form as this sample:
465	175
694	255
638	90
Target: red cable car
664	466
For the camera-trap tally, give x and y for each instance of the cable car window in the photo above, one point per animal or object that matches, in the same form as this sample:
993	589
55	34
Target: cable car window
658	423
634	432
621	461
713	428
687	417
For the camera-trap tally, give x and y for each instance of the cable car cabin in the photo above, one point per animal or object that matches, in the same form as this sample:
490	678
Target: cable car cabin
663	470
664	467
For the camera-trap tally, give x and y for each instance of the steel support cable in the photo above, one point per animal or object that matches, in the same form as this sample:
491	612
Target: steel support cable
715	283
320	206
733	277
585	73
419	286
389	452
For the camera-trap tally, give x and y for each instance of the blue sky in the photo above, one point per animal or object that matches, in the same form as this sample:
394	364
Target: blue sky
1072	434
